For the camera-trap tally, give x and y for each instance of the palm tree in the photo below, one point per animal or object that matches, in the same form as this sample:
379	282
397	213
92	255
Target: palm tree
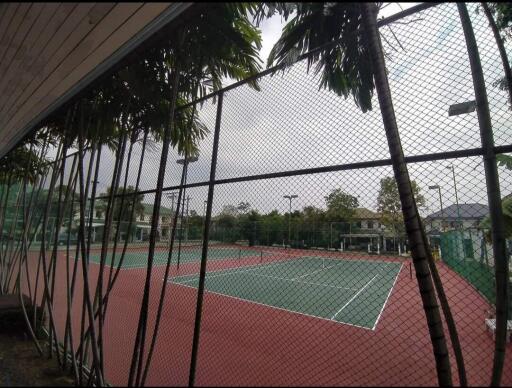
493	194
327	35
422	257
331	36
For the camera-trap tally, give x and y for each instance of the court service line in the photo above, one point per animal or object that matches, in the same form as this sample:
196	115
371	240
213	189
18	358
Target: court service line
386	301
311	273
232	272
301	282
277	308
351	299
276	277
227	271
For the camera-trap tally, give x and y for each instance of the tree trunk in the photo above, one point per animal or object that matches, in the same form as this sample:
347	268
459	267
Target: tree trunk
493	195
411	217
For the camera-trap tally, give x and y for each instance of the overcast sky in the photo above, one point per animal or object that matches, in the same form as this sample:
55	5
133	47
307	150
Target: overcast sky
291	124
271	28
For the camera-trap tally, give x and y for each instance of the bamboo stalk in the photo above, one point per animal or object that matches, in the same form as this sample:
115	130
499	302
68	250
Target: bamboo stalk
164	285
138	351
96	365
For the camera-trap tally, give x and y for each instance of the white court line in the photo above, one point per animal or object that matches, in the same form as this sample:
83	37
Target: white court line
351	299
339	259
386	301
231	272
275	277
255	266
277	308
311	273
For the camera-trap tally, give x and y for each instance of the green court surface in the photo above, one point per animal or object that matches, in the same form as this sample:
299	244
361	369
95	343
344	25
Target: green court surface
352	292
188	255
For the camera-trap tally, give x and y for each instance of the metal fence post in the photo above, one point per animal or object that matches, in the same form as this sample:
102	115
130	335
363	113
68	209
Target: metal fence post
206	234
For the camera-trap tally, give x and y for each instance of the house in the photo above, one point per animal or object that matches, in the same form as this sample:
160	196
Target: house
366	231
469	241
142	223
369	233
467	216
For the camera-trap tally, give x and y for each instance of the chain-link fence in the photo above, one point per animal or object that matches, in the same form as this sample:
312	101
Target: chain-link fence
308	277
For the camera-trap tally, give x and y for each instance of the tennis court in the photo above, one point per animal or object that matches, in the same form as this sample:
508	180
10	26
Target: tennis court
187	255
352	292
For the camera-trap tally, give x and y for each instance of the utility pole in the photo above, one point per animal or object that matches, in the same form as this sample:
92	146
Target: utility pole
186	219
451	167
438	188
171	196
290	197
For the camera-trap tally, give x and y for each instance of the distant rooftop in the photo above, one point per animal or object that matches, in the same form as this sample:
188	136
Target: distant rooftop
365	214
164	211
467	211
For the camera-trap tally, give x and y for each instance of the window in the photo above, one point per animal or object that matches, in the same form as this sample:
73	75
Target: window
142	217
370	224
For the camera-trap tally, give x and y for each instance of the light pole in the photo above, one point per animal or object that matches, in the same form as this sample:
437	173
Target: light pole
171	195
186	219
330	235
452	168
185	162
438	188
290	197
204	214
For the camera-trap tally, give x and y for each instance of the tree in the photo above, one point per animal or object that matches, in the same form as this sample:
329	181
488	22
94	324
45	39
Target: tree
22	162
312	214
502	24
390	206
248	226
340	206
506	203
311	32
426	271
195	224
243	207
122	210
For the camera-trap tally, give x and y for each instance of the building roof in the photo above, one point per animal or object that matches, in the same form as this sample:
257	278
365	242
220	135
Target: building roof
362	213
164	211
467	211
52	51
